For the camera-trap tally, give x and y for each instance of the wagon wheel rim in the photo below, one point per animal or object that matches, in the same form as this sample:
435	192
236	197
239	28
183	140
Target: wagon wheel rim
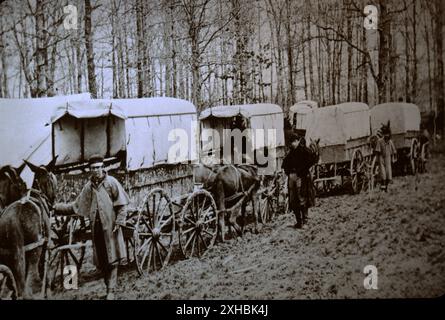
422	158
199	224
356	171
154	232
8	286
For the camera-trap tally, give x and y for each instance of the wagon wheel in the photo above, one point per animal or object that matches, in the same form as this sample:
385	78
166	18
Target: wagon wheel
198	227
265	198
8	286
414	155
358	172
154	232
267	206
69	236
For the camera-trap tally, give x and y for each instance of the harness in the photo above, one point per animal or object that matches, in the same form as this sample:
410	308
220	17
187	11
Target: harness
40	202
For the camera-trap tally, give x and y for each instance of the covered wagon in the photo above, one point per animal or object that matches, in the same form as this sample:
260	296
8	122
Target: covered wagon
250	134
149	145
345	154
404	120
299	115
26	123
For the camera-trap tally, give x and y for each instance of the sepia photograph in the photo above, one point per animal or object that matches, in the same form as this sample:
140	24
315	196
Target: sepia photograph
222	150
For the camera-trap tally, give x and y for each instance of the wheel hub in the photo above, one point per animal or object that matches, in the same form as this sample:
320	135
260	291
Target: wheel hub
156	233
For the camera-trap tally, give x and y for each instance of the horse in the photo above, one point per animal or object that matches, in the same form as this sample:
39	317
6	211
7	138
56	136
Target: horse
12	186
314	147
231	186
25	229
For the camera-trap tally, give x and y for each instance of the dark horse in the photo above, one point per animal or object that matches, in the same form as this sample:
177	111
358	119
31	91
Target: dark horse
232	187
12	186
24	230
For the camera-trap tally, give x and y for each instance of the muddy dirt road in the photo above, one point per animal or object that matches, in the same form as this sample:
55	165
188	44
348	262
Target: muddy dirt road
401	232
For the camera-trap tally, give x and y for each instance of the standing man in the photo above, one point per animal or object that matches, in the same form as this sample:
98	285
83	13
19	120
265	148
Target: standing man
386	153
104	202
296	165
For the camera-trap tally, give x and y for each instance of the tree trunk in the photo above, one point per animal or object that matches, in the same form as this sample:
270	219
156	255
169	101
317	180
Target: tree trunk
89	50
414	69
39	73
440	11
384	52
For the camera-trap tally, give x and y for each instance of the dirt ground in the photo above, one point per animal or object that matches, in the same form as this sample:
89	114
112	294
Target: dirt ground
401	232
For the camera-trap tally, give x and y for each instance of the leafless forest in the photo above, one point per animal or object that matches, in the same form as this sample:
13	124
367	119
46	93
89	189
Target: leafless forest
214	52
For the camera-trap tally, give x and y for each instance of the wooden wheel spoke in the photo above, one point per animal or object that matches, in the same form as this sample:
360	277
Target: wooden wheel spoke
161	259
76	261
163	247
203	205
165	222
208	232
154	208
188	230
197	244
210	208
193	245
146	253
144	245
165	234
202	239
144	221
162	213
188	241
189	220
210	220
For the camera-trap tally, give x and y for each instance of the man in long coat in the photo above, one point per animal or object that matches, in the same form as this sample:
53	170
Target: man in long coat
386	153
103	200
296	165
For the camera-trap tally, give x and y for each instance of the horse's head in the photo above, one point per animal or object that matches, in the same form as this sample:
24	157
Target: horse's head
12	186
385	129
204	174
314	146
44	180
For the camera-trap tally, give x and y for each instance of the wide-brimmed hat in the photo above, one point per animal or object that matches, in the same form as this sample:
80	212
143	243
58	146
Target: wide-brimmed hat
96	159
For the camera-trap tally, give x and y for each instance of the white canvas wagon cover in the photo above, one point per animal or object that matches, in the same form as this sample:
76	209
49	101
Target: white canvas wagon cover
138	127
335	125
404	117
260	116
299	113
24	130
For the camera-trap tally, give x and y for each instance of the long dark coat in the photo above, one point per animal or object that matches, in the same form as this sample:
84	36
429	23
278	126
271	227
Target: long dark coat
103	199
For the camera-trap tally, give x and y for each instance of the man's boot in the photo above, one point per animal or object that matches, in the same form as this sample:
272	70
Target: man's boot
305	213
298	217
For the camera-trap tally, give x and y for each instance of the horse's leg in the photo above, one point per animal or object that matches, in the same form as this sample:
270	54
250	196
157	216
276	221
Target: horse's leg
32	266
255	209
18	268
219	199
243	216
